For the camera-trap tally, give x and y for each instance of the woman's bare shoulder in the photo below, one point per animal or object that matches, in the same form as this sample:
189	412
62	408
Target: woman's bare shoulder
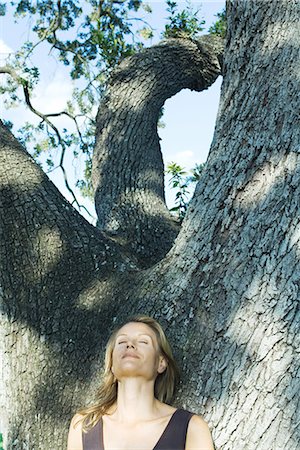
75	433
77	420
198	435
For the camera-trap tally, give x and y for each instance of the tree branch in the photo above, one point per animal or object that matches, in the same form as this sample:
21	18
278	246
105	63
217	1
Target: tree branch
23	180
128	172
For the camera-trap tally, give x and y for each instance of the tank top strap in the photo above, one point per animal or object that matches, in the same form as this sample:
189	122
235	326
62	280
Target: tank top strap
174	436
93	439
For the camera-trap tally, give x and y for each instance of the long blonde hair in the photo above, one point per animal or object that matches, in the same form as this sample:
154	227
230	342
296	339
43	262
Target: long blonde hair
165	382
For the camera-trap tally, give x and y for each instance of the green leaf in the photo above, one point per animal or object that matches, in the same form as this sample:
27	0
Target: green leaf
183	24
220	26
2	9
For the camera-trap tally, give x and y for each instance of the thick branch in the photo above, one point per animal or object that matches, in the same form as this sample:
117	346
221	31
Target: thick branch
128	170
25	187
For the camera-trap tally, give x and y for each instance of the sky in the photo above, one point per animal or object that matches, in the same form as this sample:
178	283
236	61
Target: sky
189	117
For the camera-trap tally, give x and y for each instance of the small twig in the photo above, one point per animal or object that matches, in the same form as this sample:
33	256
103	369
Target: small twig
66	113
140	19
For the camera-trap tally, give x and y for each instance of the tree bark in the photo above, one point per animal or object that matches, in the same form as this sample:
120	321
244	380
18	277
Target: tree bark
227	292
241	291
57	277
128	170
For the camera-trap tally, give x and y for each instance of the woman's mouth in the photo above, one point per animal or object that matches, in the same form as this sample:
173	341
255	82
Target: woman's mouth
130	355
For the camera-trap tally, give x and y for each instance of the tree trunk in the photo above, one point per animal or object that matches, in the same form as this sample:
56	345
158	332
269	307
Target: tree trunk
227	292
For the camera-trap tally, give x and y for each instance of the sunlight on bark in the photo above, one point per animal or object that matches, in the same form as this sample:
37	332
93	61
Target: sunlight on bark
20	174
260	329
294	240
47	249
279	35
264	179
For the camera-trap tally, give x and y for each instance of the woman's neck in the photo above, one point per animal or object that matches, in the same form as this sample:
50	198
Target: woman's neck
135	401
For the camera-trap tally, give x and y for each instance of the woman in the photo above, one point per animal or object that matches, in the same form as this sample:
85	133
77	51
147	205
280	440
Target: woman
132	412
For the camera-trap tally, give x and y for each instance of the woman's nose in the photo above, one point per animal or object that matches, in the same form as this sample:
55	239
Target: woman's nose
130	345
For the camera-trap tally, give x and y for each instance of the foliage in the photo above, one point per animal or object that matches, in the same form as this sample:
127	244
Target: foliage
89	38
181	181
8	124
101	28
160	122
85	185
2	13
220	26
195	173
183	24
146	33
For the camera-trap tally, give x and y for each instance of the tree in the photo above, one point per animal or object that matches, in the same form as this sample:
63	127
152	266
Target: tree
105	34
228	289
101	41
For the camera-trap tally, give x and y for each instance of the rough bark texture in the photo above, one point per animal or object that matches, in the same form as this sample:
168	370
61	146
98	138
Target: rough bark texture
54	267
128	170
239	296
227	292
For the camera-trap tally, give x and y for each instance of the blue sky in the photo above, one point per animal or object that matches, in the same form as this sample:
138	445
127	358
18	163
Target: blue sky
189	116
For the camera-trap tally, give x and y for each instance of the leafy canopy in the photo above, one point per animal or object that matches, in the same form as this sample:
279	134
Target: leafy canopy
184	24
88	37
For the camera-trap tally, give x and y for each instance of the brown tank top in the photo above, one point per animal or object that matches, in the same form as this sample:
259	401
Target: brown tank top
173	437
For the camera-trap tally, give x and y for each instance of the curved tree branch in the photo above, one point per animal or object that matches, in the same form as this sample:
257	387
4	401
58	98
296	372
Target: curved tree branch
128	170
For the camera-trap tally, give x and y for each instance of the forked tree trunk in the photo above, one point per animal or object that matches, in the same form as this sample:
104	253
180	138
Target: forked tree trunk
128	170
227	292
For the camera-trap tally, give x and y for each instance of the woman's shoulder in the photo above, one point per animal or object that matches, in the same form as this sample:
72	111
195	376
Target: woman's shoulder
76	420
198	434
198	422
75	430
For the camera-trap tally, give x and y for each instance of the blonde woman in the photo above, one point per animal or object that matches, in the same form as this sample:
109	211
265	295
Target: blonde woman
132	412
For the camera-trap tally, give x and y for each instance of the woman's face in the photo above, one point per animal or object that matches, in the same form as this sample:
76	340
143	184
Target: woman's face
136	353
